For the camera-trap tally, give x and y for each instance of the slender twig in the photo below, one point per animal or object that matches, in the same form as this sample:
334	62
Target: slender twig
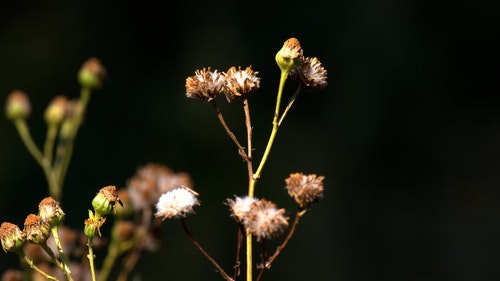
269	262
237	263
36	268
241	150
57	240
203	252
290	102
248	124
63	266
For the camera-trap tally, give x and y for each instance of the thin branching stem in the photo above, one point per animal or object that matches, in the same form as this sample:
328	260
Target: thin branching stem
290	103
36	268
203	252
241	150
280	248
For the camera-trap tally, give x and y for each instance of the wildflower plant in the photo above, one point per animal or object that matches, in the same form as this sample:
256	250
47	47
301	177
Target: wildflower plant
155	193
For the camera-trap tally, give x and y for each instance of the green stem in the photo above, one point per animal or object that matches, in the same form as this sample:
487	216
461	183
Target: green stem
90	256
55	234
256	176
292	99
48	149
63	266
24	133
36	268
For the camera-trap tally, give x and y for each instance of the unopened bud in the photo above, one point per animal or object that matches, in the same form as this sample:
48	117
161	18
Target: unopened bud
18	105
290	55
91	74
56	111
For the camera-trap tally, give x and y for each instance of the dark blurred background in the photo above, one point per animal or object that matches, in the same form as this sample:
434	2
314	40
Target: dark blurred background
407	133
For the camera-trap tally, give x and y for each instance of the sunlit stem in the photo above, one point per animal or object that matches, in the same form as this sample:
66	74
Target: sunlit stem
90	256
256	176
63	266
35	268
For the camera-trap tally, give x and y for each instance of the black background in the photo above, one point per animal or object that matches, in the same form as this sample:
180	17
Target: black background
406	133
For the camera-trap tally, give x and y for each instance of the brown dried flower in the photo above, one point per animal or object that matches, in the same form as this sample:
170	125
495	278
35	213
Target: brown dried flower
290	55
311	74
264	220
105	201
36	230
50	211
304	189
205	85
240	207
240	83
12	238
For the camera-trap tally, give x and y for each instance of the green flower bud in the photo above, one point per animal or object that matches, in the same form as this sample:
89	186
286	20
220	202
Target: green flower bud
104	202
290	55
91	74
50	211
17	106
12	237
56	111
93	225
36	230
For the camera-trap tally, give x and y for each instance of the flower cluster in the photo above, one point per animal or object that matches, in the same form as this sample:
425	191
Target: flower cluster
206	85
37	228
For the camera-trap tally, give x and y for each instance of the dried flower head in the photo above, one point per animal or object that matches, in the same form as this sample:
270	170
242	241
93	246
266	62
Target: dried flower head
12	237
240	207
105	201
50	211
264	220
239	83
205	85
92	74
311	74
305	189
36	230
152	180
176	203
290	55
18	105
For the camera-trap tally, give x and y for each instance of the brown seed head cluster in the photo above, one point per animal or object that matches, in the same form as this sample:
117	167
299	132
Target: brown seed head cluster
305	189
261	218
206	85
151	181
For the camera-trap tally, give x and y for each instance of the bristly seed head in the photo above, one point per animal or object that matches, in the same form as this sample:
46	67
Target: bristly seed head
311	74
305	189
36	230
176	203
50	211
205	85
239	83
264	220
240	207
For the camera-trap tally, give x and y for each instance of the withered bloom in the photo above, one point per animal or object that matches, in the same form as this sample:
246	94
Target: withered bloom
205	85
12	237
105	201
50	211
311	74
240	207
36	230
240	83
264	220
290	55
305	189
176	203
